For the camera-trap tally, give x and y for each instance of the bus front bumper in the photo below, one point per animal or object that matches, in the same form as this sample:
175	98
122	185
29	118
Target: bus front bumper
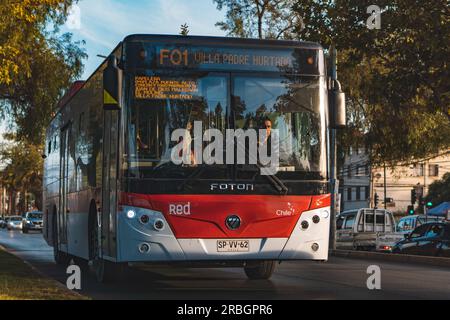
152	240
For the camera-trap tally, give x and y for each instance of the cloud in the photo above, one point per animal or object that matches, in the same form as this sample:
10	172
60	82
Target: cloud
104	23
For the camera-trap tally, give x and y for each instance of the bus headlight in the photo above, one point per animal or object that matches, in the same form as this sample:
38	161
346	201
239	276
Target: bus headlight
131	214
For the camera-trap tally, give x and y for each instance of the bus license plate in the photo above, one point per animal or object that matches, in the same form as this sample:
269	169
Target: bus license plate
233	245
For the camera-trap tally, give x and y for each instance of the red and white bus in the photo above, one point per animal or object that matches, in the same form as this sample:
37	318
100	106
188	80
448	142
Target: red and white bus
113	196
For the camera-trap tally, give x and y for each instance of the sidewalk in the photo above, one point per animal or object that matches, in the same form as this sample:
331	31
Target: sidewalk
18	281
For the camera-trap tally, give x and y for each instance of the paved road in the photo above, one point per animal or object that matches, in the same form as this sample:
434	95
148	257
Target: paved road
340	278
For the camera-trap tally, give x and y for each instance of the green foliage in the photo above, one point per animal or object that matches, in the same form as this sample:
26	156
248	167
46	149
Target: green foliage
36	65
396	78
23	170
439	191
269	19
184	30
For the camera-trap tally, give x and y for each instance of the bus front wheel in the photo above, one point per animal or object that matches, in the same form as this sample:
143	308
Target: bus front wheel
261	271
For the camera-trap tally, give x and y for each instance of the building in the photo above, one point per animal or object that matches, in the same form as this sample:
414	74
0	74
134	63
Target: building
354	180
360	183
402	179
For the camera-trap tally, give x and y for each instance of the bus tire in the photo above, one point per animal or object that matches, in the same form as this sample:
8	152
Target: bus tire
262	271
109	272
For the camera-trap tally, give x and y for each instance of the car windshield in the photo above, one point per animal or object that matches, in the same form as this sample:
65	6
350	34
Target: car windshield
15	219
196	102
36	216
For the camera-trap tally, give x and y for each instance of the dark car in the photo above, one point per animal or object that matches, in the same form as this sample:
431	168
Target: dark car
32	221
430	239
4	224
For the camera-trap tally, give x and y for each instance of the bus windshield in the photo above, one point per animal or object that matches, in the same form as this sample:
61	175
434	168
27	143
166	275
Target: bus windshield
164	102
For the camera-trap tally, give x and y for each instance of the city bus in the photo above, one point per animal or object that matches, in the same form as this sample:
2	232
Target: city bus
115	196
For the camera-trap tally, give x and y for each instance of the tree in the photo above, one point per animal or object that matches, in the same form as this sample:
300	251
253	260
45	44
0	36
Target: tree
23	170
36	64
396	78
184	30
439	191
270	19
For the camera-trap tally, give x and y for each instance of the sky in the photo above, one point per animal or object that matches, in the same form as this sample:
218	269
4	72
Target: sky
104	23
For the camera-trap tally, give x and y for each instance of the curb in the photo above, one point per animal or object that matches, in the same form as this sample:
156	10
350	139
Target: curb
389	257
55	282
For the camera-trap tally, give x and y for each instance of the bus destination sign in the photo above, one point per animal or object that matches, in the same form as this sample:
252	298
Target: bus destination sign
205	58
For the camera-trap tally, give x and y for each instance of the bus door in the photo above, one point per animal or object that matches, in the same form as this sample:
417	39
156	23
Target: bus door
64	187
109	182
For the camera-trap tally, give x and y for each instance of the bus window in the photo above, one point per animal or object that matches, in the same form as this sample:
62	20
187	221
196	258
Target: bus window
153	121
290	106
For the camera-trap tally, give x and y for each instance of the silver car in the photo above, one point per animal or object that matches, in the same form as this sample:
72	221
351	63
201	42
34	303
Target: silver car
14	223
32	221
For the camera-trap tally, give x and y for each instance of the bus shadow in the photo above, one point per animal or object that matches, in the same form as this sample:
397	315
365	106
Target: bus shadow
181	284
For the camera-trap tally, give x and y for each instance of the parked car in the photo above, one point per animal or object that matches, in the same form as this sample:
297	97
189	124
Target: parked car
429	239
405	226
360	229
33	221
14	223
5	223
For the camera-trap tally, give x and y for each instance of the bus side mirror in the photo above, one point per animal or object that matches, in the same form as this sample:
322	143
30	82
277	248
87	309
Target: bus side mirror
338	109
112	85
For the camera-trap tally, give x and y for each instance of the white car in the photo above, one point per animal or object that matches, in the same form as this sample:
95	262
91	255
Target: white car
14	223
360	229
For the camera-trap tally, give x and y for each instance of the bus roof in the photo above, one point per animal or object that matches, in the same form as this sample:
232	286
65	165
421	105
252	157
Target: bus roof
222	41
